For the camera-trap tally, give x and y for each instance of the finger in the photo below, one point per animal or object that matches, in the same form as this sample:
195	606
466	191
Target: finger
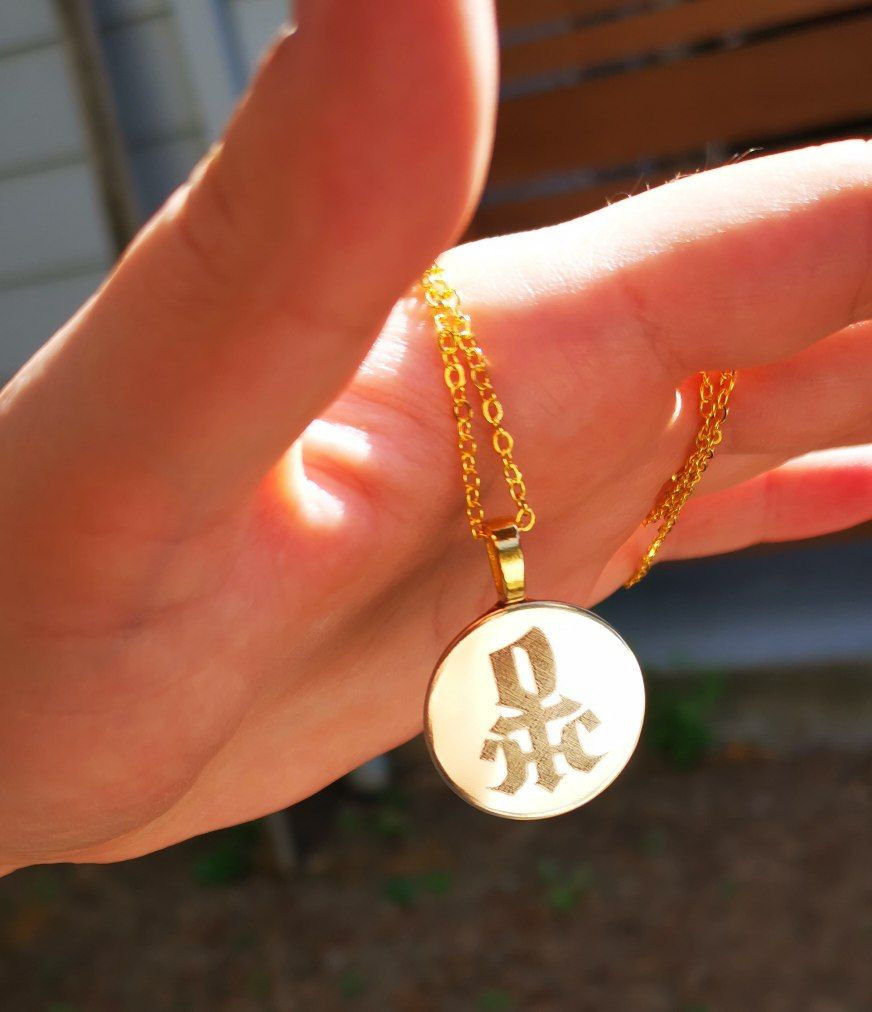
247	303
818	398
730	268
815	400
609	314
807	497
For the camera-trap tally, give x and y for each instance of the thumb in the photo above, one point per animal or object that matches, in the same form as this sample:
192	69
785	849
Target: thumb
244	307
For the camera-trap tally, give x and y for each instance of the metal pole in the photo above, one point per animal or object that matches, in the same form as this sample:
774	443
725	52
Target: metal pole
106	142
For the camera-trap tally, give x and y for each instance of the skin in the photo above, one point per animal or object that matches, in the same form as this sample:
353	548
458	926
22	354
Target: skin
199	625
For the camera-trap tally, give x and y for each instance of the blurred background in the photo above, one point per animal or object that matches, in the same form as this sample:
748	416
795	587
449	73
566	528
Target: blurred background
730	866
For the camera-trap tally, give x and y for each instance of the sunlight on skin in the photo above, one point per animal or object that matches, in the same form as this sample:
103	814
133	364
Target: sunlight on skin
331	448
836	460
345	447
348	445
386	355
676	412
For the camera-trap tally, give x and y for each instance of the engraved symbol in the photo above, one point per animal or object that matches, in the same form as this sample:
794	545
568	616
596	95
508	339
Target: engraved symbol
534	718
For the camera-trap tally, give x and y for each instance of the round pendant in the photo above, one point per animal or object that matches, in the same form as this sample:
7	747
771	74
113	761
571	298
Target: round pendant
534	709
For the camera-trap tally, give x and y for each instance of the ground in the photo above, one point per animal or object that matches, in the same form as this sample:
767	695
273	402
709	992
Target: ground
702	881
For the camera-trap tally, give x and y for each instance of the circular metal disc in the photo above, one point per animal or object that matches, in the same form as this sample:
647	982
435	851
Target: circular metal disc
534	709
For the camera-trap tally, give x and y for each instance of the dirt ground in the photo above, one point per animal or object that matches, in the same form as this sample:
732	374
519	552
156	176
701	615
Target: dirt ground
741	883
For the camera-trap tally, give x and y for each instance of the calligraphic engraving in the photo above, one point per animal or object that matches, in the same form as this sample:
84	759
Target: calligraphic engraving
534	716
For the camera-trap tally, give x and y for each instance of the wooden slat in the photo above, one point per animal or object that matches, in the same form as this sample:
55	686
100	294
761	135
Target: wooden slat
792	83
32	313
27	24
518	216
524	13
39	119
52	224
656	30
537	212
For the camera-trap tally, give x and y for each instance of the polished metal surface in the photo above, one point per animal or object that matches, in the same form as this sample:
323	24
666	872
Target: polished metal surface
506	559
534	709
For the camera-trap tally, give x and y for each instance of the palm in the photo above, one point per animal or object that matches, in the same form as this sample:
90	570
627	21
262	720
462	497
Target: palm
189	644
315	613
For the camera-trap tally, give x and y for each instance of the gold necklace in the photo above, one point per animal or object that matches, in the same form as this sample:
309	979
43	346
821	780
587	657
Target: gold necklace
537	706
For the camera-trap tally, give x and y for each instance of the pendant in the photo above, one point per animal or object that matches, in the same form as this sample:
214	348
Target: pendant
537	706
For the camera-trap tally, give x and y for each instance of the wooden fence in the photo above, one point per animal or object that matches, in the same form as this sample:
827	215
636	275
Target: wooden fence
603	97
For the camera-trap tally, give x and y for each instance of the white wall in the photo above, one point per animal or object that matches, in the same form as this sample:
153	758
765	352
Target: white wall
175	68
54	243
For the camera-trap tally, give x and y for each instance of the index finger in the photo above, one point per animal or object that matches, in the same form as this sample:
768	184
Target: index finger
734	267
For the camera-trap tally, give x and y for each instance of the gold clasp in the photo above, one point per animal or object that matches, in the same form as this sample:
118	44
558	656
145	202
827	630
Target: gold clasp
503	544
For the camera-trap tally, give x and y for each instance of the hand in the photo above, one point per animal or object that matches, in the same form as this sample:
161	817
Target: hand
197	627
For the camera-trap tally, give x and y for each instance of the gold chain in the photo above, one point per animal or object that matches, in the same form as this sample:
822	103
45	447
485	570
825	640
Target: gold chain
460	352
713	408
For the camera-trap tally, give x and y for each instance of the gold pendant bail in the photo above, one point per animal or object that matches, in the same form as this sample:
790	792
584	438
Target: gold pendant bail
503	543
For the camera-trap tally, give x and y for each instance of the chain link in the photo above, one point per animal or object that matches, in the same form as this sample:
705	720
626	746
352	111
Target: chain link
461	354
713	408
463	361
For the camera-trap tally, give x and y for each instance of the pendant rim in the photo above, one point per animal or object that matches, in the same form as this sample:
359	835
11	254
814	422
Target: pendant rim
492	613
